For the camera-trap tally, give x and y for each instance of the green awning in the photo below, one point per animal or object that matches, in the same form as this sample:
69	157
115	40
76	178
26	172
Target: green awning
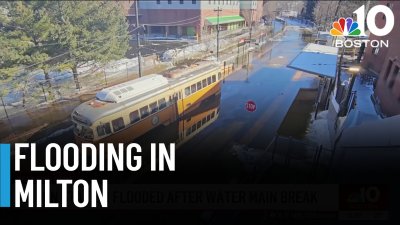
224	19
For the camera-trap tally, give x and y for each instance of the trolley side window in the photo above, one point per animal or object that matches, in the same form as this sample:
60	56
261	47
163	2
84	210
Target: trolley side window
219	76
144	112
208	80
214	78
194	128
199	85
187	91
103	129
204	83
118	124
193	88
134	116
162	103
153	107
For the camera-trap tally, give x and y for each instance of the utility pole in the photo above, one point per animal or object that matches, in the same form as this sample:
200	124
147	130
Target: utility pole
138	39
218	10
251	21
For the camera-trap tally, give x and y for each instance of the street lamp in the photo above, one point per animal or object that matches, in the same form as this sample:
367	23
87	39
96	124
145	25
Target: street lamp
344	108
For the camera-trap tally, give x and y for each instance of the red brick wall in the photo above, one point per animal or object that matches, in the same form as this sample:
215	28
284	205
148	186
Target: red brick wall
156	16
388	96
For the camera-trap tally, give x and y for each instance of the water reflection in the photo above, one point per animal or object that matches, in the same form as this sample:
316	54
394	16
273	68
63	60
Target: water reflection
190	124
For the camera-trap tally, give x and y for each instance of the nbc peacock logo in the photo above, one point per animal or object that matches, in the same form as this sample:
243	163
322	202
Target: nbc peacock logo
345	27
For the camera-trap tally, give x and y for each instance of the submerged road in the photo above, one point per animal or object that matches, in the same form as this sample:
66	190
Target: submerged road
237	137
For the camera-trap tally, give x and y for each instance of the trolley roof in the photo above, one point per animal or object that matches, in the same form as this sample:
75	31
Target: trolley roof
127	90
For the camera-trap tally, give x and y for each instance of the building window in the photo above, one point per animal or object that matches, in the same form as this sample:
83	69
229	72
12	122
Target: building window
181	1
375	51
394	76
388	69
118	124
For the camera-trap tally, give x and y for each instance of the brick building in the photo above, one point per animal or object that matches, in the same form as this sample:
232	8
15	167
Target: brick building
251	9
385	64
192	18
188	18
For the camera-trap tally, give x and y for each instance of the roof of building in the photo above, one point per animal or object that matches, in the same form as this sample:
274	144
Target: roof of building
224	19
317	59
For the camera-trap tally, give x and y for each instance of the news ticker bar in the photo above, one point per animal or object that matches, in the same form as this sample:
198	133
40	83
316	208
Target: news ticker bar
5	175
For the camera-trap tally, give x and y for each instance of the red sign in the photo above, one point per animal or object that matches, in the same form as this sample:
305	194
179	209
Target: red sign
251	106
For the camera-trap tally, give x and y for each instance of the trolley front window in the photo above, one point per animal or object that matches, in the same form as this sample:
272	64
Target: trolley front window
83	131
103	129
